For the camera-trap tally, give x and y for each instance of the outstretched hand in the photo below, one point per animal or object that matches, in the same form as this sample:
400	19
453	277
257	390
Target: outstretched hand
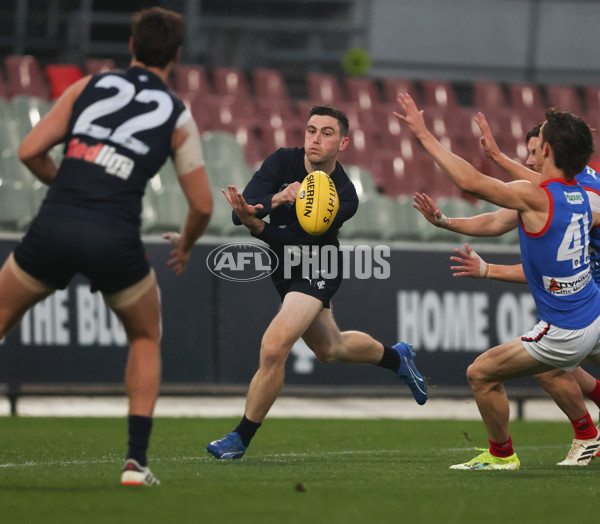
241	208
429	210
471	264
179	257
413	116
488	142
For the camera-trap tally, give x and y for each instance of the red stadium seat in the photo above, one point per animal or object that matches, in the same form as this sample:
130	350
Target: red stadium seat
286	136
488	96
397	175
190	79
393	86
25	77
92	66
362	91
592	99
227	113
526	98
231	81
269	84
4	93
565	98
361	148
439	93
324	89
278	113
60	77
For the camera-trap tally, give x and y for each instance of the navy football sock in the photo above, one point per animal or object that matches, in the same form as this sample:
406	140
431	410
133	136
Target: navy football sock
139	437
390	359
246	430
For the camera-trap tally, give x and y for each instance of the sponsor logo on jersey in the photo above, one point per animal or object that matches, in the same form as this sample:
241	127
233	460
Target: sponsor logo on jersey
574	198
102	155
567	285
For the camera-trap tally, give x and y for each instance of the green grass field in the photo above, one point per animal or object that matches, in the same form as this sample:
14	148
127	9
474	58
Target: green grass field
67	470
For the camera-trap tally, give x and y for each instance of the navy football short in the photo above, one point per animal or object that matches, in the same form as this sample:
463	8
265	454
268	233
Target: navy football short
55	248
320	288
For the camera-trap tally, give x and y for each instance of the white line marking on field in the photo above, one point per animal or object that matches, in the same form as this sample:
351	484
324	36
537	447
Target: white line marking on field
259	457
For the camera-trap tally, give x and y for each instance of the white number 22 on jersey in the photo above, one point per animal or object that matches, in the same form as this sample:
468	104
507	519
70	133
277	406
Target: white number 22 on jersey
123	134
572	248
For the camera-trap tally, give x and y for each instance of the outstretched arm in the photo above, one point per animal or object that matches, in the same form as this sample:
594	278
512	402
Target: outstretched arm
512	168
472	265
513	195
484	225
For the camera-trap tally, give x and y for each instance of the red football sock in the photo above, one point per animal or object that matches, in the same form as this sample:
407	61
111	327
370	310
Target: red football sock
584	428
594	395
501	449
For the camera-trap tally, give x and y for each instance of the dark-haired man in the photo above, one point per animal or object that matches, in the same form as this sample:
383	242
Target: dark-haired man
305	310
554	222
118	129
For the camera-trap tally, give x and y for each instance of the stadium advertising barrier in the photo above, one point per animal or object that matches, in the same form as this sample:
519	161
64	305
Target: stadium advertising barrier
212	326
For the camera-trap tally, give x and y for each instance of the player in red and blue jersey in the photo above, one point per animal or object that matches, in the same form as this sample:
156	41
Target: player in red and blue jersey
554	218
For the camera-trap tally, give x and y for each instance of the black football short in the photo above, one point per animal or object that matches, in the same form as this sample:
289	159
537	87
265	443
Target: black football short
55	248
320	288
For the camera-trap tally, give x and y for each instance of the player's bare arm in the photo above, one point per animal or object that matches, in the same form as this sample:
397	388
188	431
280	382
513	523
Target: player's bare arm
48	132
531	201
193	180
485	225
512	168
245	212
471	264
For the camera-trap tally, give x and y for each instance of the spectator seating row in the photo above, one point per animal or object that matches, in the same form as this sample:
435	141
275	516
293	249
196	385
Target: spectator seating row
379	217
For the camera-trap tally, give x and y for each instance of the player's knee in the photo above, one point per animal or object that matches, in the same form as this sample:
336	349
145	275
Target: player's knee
325	355
272	354
474	375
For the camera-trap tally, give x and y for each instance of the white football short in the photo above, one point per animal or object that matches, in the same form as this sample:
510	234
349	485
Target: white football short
562	348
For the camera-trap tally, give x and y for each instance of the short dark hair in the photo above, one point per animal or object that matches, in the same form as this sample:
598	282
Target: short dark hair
326	110
534	132
571	141
157	35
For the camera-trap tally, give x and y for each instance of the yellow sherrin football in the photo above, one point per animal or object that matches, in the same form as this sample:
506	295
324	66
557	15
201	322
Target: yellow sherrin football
317	203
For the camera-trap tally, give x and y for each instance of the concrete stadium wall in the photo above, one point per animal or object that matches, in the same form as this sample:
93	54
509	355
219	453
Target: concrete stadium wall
545	41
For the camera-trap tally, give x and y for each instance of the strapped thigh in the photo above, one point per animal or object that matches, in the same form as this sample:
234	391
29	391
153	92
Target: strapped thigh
132	294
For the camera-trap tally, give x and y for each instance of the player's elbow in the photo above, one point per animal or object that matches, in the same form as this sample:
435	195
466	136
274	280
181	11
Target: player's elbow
25	152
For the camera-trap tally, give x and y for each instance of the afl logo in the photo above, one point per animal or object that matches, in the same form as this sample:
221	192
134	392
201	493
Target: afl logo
242	262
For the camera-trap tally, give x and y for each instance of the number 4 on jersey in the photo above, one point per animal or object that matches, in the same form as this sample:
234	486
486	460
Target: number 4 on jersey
572	248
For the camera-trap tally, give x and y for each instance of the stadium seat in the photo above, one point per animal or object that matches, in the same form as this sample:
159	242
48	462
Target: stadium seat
270	85
526	98
278	113
324	89
190	79
388	127
248	138
361	148
362	91
285	136
231	81
565	98
591	95
363	182
393	86
28	111
25	77
397	174
60	77
439	93
488	96
93	66
227	113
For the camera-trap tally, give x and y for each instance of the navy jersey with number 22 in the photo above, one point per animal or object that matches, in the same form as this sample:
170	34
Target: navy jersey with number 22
119	136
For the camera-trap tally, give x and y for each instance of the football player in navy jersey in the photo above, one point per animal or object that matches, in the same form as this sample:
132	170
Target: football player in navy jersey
503	220
305	311
554	222
118	128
